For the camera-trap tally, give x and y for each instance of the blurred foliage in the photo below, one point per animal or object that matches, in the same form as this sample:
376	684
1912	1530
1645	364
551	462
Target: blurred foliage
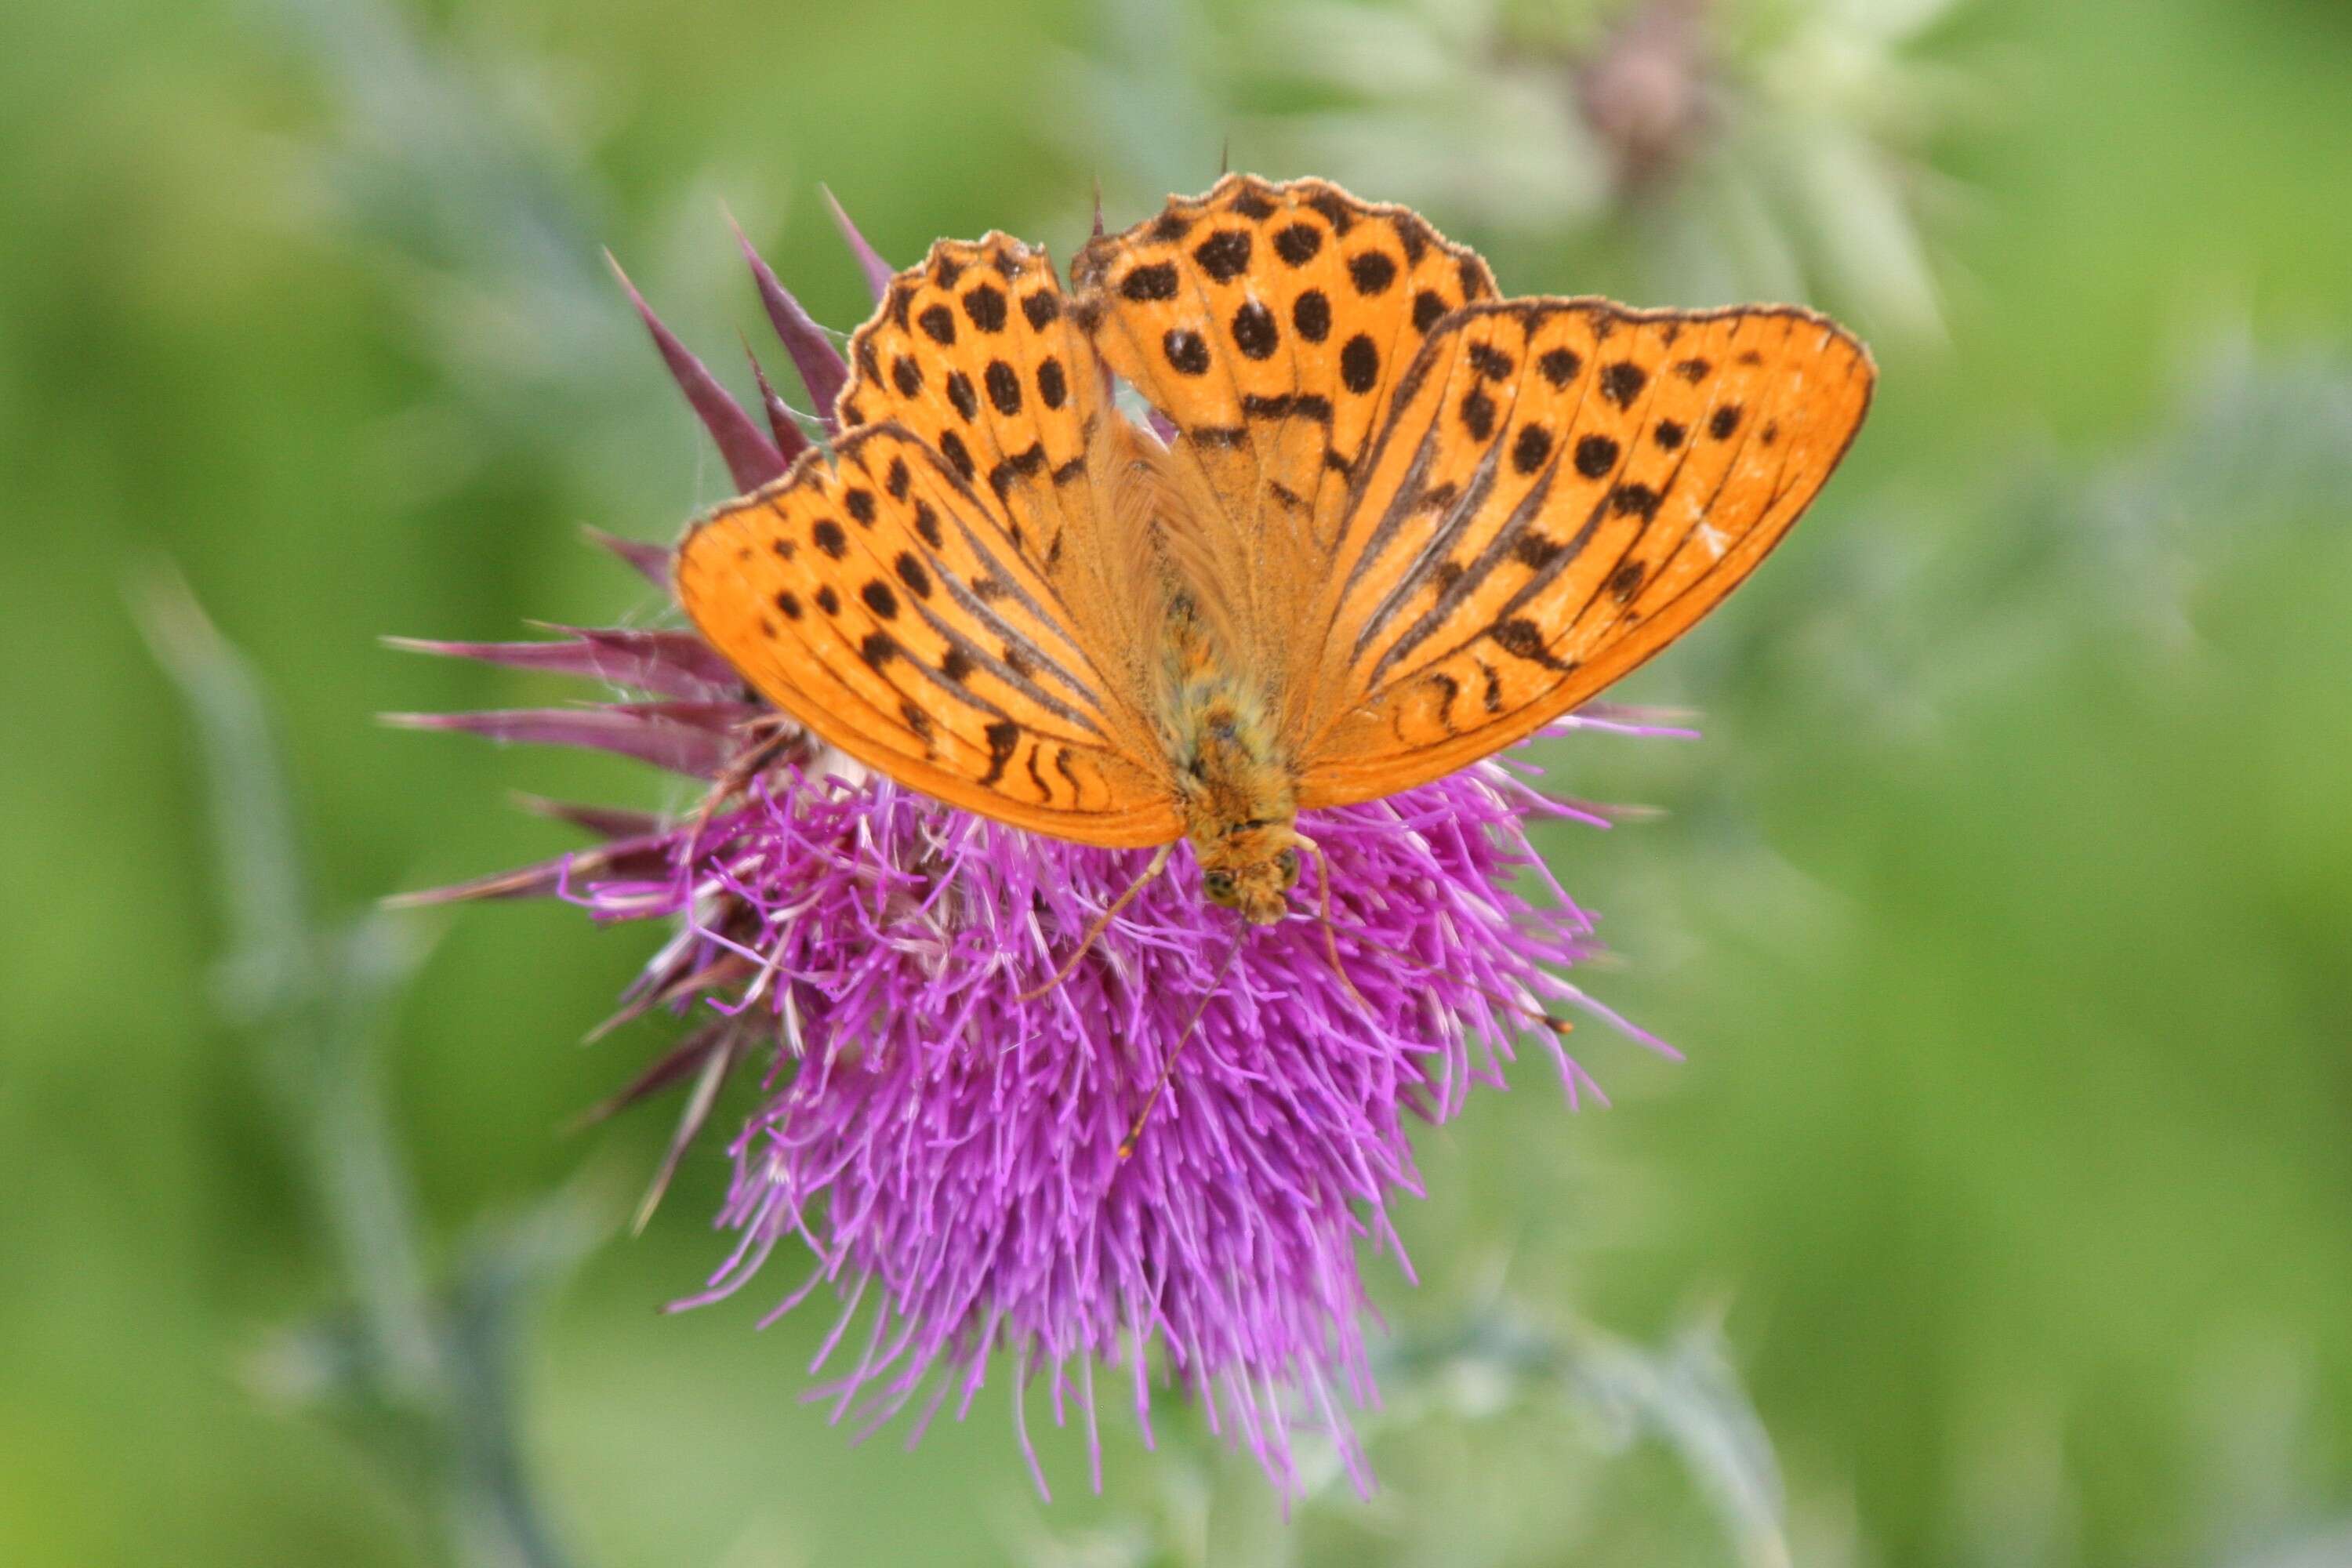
2005	910
1720	152
422	1374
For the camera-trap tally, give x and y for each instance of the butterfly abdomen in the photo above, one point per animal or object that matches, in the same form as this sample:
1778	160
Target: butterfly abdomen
1237	788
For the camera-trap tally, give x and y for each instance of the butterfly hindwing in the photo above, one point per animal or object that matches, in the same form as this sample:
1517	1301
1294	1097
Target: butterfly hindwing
1559	488
878	598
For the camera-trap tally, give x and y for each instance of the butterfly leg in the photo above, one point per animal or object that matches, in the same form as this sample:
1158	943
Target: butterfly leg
745	768
1323	900
1102	921
1168	1067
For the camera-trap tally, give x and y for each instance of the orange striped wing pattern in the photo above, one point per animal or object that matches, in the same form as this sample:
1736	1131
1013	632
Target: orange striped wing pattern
1560	489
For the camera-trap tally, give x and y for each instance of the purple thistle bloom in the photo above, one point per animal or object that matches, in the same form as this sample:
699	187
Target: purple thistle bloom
950	1155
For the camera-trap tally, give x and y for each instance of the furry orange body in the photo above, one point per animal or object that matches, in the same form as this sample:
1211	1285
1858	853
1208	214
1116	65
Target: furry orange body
1235	788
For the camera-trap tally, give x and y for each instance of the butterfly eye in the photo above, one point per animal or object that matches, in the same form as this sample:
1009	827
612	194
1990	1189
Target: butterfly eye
1289	863
1218	885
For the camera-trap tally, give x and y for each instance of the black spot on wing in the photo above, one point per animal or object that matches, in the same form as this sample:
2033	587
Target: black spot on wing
1186	351
1003	387
1478	412
1020	465
1623	382
1156	281
1255	332
1535	550
1490	361
1631	499
953	448
917	721
1414	235
1334	208
960	393
1310	313
1522	638
1372	271
1531	448
1224	255
985	306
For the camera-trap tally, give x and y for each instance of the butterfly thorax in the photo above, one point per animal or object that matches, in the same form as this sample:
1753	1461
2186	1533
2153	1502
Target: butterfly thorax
1237	791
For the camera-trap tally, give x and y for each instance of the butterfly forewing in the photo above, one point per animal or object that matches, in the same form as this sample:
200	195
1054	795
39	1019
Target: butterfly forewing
974	354
880	599
1267	322
1560	487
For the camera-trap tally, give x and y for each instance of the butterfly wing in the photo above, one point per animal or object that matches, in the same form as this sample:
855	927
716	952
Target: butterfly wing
1269	323
971	354
884	601
976	353
1560	488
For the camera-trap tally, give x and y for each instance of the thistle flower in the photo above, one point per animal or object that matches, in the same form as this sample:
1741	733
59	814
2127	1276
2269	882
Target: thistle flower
949	1153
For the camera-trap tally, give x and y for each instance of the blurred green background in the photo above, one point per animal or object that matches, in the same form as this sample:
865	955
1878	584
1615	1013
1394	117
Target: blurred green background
2002	1214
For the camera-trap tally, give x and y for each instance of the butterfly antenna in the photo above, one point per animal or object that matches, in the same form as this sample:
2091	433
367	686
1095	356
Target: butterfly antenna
1323	914
1159	863
1167	1068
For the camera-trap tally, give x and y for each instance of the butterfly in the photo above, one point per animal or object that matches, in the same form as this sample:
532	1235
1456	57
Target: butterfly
1379	521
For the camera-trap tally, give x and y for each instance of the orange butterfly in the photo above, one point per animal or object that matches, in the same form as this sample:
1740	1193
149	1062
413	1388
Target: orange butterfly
1401	525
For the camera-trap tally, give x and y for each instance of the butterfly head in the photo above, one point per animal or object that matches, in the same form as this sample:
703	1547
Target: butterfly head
1252	869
